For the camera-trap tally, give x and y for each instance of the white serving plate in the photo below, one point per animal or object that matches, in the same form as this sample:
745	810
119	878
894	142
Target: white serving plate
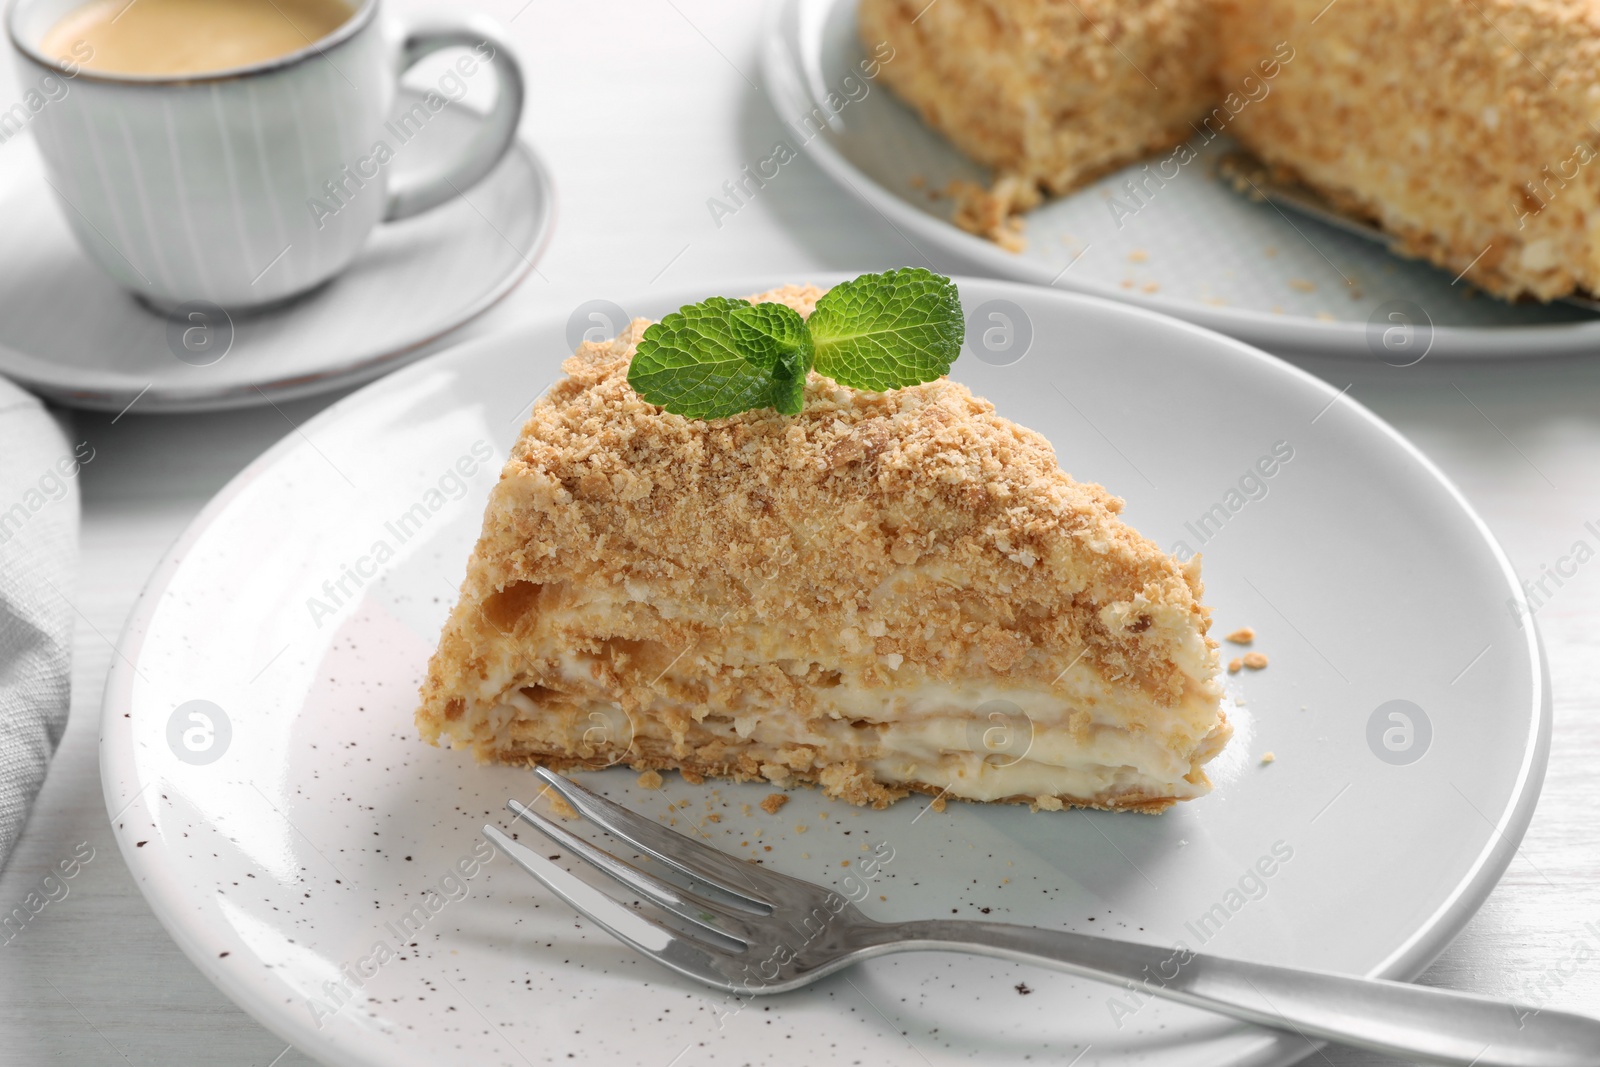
1191	246
280	851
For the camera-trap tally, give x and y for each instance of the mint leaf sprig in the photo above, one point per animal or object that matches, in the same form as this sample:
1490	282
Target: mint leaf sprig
722	356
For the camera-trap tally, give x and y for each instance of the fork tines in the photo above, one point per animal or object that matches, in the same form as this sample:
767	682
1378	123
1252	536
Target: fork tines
705	934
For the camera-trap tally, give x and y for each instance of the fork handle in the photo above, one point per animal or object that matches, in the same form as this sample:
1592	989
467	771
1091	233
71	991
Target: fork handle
1389	1017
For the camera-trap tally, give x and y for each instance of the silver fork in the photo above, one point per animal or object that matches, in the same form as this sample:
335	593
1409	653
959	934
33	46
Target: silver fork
748	930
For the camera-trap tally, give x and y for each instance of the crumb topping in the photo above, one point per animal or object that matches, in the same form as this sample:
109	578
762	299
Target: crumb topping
844	518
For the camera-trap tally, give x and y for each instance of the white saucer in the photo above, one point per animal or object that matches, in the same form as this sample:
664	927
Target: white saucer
299	824
1193	247
69	333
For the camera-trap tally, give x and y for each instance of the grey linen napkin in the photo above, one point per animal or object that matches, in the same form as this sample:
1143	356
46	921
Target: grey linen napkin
38	555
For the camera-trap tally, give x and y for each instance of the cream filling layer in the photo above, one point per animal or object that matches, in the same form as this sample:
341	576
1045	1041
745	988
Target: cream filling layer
941	752
999	756
1078	687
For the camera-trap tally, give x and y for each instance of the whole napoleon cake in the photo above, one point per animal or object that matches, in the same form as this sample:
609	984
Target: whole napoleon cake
885	590
1465	128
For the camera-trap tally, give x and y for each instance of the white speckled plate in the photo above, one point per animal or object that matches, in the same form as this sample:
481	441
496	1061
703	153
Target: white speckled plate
307	850
1189	246
68	332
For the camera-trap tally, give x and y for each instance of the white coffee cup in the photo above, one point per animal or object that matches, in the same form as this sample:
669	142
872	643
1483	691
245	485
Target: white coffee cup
249	186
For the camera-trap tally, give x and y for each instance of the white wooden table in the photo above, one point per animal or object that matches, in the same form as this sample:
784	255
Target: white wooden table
643	110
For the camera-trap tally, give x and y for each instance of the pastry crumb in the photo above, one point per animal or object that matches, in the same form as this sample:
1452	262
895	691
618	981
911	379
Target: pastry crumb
994	212
713	817
1255	660
1234	665
938	804
562	808
773	802
1242	636
1138	255
1302	285
650	780
1268	757
800	827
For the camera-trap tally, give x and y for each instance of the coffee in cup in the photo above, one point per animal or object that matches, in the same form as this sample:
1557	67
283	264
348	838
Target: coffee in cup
190	36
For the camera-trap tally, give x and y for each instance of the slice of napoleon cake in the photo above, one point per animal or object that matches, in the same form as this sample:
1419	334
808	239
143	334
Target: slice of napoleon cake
889	591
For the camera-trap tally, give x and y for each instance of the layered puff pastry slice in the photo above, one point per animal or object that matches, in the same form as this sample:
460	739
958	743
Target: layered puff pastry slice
889	592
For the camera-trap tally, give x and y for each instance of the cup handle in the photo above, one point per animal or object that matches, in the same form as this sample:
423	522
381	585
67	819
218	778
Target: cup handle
412	195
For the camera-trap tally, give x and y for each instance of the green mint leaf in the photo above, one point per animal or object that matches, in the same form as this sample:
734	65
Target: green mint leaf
720	357
888	331
774	336
691	363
